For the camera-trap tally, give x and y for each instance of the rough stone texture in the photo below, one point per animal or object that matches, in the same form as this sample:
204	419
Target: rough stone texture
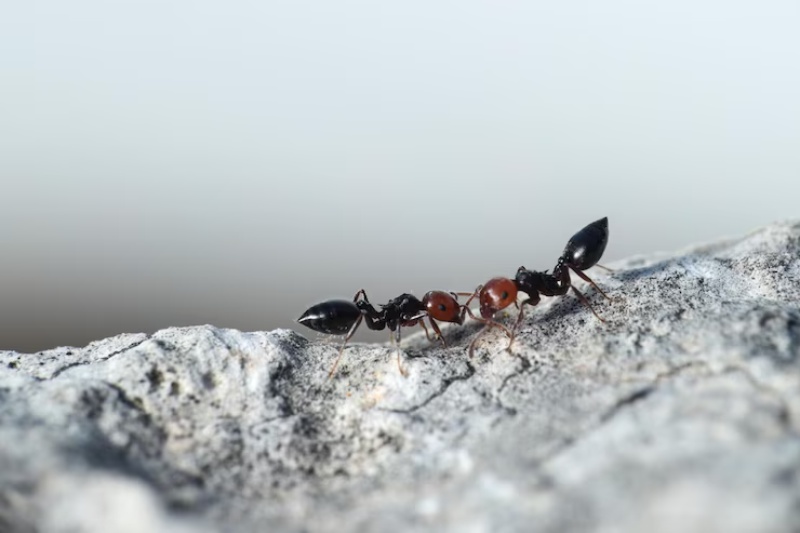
681	413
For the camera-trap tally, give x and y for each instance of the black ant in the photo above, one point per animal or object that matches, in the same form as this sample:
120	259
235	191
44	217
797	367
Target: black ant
342	317
582	252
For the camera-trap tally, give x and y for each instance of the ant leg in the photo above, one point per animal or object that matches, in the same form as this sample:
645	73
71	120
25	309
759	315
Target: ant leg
472	295
585	302
373	317
463	314
396	338
438	331
588	280
516	325
560	281
427	333
489	325
533	300
465	307
605	268
341	350
481	333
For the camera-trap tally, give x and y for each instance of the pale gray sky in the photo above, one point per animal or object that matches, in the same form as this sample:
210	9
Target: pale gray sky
168	163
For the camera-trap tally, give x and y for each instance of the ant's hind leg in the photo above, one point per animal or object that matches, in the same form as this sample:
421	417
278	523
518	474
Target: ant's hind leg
396	339
588	280
341	349
585	302
605	268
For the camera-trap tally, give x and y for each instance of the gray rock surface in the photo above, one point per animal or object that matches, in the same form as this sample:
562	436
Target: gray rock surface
680	413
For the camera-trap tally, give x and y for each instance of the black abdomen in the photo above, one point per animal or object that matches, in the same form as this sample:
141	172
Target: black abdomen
334	317
586	247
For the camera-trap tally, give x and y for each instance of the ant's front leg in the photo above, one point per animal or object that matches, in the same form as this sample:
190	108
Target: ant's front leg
465	307
532	300
435	327
488	324
427	333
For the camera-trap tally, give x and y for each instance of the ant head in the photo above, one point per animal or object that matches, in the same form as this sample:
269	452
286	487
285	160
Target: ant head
442	306
497	294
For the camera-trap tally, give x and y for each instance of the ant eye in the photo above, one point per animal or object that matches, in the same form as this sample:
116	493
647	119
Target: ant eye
442	307
504	296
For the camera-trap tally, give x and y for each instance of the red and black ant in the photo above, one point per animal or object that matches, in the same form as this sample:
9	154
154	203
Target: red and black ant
342	317
582	252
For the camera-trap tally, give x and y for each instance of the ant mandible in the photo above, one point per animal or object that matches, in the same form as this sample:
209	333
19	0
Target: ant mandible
582	252
342	317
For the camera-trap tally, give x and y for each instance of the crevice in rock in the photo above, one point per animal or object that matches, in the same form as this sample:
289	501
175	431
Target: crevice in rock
131	346
216	334
526	366
625	401
784	413
132	403
279	378
621	403
446	382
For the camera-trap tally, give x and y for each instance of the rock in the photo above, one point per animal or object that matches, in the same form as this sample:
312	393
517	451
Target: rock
680	413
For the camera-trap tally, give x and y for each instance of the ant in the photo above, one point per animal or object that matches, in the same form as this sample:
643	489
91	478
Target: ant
582	252
342	317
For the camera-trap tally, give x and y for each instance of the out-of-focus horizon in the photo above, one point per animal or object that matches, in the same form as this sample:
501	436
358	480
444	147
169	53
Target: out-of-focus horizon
176	163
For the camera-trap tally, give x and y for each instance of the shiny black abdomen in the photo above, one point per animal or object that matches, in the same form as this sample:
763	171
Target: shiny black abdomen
586	247
334	317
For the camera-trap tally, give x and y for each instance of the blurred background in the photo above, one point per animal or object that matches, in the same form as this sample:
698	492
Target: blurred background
170	163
